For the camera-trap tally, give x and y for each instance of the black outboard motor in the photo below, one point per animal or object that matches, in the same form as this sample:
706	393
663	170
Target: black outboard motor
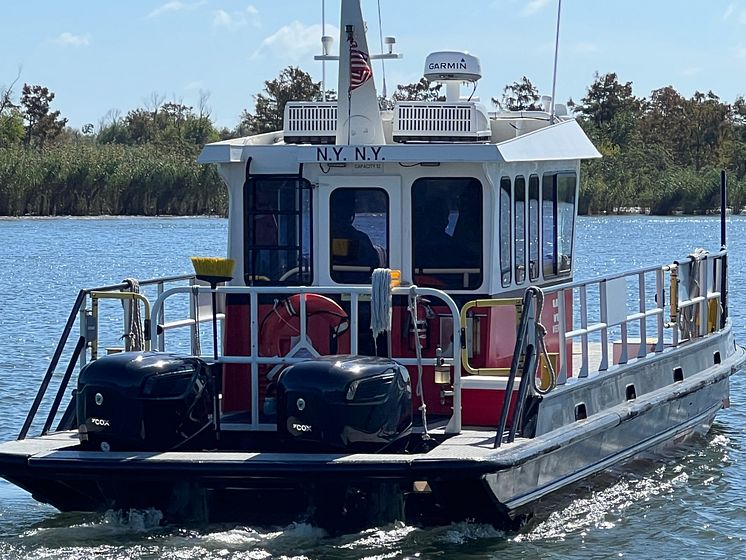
348	402
143	401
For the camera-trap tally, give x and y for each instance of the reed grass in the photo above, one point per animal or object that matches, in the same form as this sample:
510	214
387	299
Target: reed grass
91	179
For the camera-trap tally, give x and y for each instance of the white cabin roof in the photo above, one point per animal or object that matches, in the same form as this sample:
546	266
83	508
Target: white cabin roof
561	141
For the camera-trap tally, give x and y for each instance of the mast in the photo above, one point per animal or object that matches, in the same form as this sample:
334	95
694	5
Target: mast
358	118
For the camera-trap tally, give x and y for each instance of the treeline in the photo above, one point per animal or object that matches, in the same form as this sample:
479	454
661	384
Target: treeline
142	163
662	154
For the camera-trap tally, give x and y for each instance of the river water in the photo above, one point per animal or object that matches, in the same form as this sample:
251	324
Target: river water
686	505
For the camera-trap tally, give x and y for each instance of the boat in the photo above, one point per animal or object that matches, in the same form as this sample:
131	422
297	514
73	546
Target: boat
396	332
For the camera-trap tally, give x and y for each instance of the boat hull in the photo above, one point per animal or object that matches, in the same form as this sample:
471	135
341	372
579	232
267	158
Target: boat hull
465	477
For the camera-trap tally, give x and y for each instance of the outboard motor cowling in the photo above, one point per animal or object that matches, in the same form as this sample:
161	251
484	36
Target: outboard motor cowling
349	402
142	401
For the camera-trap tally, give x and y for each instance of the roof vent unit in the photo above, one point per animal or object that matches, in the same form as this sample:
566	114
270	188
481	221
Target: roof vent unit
310	122
465	121
456	119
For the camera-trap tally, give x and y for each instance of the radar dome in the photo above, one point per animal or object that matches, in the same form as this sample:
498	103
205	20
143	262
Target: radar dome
445	66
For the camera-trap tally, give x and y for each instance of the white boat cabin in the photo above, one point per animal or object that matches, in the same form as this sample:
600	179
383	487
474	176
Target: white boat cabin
453	197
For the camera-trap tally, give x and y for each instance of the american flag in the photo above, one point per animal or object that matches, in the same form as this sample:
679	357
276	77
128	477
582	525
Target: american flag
360	71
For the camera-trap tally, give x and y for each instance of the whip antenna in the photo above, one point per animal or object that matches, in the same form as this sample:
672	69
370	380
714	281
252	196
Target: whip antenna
380	37
323	62
556	51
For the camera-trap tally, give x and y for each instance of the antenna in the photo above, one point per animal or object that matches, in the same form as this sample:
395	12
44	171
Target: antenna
556	51
324	45
380	37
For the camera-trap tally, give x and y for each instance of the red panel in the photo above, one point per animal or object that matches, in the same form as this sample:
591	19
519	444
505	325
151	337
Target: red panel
237	377
482	407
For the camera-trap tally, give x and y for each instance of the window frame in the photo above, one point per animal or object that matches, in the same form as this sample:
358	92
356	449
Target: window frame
520	279
329	247
415	266
251	249
506	202
534	227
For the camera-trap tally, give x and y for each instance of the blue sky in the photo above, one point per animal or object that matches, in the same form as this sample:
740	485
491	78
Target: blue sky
102	56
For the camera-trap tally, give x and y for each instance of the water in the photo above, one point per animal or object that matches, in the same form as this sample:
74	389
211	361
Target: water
686	505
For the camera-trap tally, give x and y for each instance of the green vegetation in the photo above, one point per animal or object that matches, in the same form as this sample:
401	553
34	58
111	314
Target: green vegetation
662	154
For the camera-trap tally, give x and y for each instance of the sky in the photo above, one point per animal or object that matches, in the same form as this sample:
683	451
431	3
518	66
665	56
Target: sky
104	58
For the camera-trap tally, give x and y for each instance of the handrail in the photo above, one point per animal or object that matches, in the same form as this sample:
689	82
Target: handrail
73	316
522	336
97	294
52	364
63	385
354	292
482	303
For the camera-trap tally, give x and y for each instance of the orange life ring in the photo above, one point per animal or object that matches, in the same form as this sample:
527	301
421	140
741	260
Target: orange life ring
283	321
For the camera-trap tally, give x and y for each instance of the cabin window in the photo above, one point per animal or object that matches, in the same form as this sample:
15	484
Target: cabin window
447	233
277	230
549	222
566	183
505	225
519	231
359	233
558	216
533	227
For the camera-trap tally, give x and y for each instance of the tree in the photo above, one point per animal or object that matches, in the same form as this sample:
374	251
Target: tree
293	84
605	98
42	125
423	90
519	96
11	120
707	123
610	111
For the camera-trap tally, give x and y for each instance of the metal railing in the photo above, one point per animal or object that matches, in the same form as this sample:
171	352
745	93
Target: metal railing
632	303
694	295
84	309
254	359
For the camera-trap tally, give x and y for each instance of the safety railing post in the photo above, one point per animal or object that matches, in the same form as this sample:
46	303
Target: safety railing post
604	365
254	330
583	295
642	350
660	301
562	323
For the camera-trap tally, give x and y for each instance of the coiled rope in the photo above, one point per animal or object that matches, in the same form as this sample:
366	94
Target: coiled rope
541	332
412	304
134	338
380	303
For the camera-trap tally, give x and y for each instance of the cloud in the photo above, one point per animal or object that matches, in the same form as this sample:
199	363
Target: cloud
533	7
294	42
237	19
742	17
175	6
740	51
67	39
729	11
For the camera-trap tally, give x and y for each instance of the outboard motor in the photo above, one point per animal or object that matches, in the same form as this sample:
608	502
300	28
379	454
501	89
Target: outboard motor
348	402
143	401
